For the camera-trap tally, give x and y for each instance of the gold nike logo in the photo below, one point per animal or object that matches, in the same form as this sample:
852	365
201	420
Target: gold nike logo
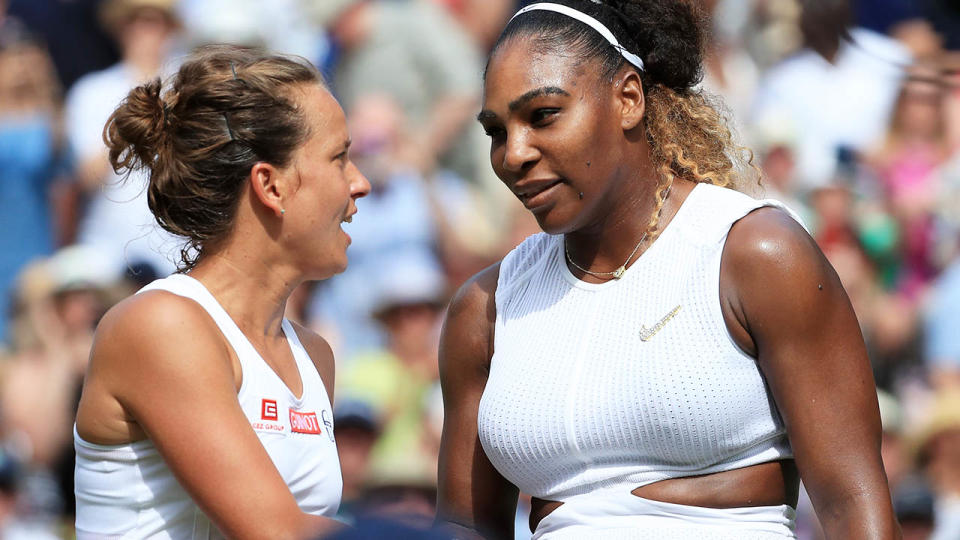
646	334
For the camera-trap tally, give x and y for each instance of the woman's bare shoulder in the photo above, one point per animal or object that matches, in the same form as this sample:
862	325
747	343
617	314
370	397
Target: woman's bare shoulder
768	253
466	342
156	329
150	314
474	297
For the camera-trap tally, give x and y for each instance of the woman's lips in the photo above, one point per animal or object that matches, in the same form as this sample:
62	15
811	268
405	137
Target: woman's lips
535	194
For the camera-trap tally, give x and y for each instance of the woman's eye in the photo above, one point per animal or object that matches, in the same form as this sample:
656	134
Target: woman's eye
540	116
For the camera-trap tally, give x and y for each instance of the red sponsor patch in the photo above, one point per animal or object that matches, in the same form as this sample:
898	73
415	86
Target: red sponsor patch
304	422
268	409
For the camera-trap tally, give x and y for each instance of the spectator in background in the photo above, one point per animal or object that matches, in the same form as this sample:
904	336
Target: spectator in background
774	144
948	198
401	489
949	73
416	53
117	220
772	32
945	15
893	446
837	92
33	158
61	298
77	41
881	15
430	219
357	429
407	496
729	72
406	226
482	19
403	486
906	163
888	321
937	444
420	56
397	378
14	524
914	508
277	25
941	324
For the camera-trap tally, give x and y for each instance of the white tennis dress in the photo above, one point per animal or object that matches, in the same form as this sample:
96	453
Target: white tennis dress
127	491
596	389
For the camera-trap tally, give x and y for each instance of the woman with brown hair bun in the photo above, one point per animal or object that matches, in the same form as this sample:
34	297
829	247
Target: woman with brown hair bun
671	356
204	411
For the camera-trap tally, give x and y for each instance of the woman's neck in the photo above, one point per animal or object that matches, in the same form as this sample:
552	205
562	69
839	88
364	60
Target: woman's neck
624	221
252	291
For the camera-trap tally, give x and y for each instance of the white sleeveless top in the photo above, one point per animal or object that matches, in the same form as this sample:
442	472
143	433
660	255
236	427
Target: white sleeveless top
615	385
127	491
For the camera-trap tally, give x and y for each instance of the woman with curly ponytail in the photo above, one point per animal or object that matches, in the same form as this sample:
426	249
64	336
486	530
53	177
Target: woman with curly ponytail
205	413
671	356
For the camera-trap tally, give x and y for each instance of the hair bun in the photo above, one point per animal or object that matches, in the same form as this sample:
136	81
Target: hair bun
135	131
175	133
669	36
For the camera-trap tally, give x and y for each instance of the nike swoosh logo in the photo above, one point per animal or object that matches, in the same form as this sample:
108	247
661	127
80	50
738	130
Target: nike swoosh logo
646	334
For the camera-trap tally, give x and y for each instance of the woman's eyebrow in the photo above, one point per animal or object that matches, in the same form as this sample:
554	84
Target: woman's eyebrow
523	100
535	93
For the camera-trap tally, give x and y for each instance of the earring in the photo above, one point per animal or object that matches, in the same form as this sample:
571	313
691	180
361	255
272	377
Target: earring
282	211
581	195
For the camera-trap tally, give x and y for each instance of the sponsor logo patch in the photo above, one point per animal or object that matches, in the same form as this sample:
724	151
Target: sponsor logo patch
268	409
328	422
304	422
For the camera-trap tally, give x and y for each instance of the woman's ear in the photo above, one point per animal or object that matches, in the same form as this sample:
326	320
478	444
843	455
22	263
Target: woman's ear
630	97
269	187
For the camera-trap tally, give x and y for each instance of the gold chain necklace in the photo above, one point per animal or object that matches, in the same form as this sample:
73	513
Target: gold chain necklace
616	274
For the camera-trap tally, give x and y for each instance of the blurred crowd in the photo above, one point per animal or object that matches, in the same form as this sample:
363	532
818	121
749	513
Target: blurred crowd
852	111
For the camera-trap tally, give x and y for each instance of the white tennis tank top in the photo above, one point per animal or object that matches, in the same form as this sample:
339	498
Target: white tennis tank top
127	491
623	383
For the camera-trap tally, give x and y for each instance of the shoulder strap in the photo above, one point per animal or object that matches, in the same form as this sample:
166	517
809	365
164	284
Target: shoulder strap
710	211
188	287
308	370
516	264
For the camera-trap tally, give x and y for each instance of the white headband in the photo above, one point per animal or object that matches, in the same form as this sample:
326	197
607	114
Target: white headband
589	21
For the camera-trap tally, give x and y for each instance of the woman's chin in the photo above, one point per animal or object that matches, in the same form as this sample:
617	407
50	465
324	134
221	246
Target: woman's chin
329	269
552	222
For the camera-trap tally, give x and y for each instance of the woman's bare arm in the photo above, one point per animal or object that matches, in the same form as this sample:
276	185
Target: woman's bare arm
472	494
784	303
163	359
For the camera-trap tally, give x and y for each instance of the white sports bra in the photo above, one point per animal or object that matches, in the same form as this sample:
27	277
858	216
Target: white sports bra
127	491
611	386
